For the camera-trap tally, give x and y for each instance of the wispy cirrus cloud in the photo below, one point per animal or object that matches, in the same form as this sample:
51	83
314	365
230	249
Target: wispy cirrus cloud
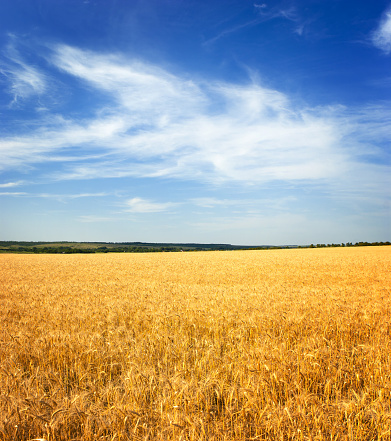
381	37
245	205
58	197
11	184
134	85
65	197
12	193
24	80
91	218
209	202
263	15
157	124
140	205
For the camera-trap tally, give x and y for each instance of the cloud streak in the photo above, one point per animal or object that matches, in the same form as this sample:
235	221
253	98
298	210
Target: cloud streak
24	80
59	197
156	124
11	184
381	37
13	193
264	14
140	205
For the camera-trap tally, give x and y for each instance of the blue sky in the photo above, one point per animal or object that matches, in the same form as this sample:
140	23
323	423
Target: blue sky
195	121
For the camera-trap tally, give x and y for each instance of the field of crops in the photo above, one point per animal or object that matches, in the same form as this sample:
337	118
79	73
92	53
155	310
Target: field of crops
241	345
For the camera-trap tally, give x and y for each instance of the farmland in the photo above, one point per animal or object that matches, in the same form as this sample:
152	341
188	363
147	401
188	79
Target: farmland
234	345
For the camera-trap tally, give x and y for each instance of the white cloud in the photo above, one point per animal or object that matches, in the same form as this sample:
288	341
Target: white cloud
14	193
245	205
139	205
93	218
381	38
134	85
11	184
63	197
208	202
59	197
162	125
24	80
264	14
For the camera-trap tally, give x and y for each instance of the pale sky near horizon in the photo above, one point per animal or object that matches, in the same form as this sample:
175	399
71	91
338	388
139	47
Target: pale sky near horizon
214	121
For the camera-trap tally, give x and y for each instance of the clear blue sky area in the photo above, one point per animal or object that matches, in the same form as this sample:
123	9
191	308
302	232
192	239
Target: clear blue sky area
195	121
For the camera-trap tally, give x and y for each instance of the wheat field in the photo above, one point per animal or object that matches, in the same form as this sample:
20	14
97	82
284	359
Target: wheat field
244	345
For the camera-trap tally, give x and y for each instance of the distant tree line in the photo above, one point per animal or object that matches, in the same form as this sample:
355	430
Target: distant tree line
136	249
139	247
70	250
348	244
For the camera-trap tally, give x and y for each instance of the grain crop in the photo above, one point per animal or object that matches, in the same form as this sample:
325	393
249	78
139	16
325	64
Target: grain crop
245	345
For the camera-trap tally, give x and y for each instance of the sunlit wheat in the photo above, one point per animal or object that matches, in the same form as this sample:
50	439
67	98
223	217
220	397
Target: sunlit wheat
244	345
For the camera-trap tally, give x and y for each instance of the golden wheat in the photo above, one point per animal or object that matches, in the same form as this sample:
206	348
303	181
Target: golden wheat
244	345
